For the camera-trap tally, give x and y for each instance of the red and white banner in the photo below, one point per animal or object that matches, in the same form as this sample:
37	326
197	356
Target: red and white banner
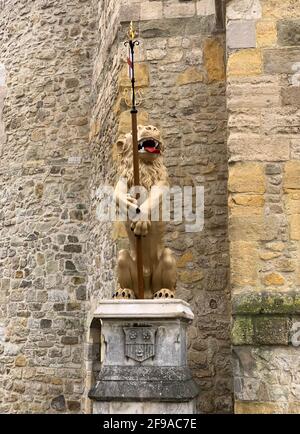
130	63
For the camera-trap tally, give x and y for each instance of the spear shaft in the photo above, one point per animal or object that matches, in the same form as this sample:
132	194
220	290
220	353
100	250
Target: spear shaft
136	171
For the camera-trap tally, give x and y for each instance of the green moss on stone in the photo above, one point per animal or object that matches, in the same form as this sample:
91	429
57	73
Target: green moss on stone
271	330
277	303
242	331
247	303
297	304
266	302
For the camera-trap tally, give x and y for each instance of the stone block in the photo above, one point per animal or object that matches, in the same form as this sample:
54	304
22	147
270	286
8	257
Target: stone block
280	122
213	54
253	147
245	63
241	121
241	205
291	96
205	7
177	9
252	201
20	361
291	179
256	228
242	331
273	279
246	303
245	229
190	75
151	10
266	256
243	9
295	149
280	61
266	302
247	178
185	259
130	12
292	202
288	32
271	330
194	56
244	257
176	27
266	33
156	54
294	224
251	95
241	34
161	29
280	9
278	303
190	276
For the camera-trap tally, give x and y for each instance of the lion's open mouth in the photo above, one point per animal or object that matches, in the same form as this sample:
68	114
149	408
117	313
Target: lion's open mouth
149	145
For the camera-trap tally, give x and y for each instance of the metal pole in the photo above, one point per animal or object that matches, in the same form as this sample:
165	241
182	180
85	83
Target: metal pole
136	172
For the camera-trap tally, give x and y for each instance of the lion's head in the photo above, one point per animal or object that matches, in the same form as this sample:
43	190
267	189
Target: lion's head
150	149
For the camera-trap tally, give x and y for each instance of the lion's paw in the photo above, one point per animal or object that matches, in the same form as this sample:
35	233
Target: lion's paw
164	293
141	228
124	293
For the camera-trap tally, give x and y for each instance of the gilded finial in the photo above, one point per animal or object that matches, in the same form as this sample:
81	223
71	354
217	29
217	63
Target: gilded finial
131	31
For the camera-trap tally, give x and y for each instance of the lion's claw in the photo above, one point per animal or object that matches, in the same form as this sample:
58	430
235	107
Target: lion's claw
164	293
124	293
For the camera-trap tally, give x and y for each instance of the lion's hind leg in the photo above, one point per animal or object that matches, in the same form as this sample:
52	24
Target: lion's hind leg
164	277
126	276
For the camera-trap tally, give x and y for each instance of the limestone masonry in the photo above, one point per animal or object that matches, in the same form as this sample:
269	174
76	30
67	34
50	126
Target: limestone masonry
221	80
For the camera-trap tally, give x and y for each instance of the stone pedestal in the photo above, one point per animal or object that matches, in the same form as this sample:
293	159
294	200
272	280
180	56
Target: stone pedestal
144	358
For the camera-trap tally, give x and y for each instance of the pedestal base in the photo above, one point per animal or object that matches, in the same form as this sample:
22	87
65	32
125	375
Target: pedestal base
144	364
119	407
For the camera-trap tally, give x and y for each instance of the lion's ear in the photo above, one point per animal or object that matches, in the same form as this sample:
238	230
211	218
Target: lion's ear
120	145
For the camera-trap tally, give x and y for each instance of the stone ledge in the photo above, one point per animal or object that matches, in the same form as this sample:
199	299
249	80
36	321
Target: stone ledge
169	27
256	303
134	309
261	330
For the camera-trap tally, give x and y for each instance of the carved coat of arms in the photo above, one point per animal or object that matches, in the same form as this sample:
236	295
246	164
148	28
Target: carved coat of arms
139	342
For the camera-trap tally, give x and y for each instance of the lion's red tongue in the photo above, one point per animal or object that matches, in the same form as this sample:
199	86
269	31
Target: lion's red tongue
152	150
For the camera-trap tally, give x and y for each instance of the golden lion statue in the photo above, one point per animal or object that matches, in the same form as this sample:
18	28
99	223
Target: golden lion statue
159	268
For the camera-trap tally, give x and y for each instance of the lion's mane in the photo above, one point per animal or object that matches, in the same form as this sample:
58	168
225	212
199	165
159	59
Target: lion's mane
150	173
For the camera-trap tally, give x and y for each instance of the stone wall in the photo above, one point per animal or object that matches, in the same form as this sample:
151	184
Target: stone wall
63	82
263	93
101	247
180	71
46	50
57	259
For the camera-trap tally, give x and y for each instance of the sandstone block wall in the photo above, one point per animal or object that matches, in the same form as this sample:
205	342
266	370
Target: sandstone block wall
263	135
